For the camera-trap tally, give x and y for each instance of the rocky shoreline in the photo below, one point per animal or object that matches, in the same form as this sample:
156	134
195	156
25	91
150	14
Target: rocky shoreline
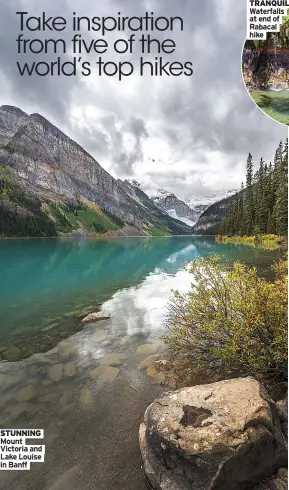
228	434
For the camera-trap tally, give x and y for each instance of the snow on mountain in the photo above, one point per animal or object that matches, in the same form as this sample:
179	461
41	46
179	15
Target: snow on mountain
174	207
188	210
191	208
173	214
205	202
160	194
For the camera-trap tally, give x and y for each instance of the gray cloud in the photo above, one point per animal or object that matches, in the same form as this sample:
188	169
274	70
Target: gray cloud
50	95
125	156
198	130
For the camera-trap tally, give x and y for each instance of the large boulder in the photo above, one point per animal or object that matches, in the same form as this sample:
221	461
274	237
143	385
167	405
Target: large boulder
95	317
224	435
282	407
277	482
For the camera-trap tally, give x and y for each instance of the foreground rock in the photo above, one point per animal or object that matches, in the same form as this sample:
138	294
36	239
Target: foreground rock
158	371
95	317
113	360
55	373
21	408
147	349
225	435
278	482
69	370
26	393
12	354
147	362
86	397
282	407
6	381
104	373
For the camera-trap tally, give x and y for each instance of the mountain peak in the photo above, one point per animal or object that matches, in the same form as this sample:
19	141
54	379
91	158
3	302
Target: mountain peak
64	171
207	201
162	194
11	109
11	120
134	183
39	119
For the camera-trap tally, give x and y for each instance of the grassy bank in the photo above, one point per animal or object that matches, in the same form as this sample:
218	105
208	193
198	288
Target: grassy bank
268	242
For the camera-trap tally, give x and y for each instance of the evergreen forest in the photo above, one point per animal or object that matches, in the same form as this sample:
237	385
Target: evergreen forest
261	207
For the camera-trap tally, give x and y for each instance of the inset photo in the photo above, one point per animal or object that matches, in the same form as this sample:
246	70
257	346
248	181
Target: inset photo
265	65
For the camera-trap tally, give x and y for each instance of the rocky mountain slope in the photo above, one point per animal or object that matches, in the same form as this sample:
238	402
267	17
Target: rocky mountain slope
153	212
200	204
11	119
191	208
175	208
68	184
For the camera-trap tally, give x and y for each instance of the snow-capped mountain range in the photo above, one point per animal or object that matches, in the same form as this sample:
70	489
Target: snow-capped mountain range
175	208
207	201
188	210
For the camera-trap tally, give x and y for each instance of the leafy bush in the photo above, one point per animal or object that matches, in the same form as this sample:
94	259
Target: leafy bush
231	319
267	242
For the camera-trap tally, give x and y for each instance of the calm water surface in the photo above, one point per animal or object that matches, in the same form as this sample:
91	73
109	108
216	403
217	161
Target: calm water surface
85	386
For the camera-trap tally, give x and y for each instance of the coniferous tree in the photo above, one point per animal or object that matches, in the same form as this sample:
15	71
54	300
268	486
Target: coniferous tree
242	199
249	200
281	206
261	201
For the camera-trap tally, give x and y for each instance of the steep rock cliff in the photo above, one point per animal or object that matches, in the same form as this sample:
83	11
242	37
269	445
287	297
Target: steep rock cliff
56	168
155	214
11	119
208	221
40	153
176	208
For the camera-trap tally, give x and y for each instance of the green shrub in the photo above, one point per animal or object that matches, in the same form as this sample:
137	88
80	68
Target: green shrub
63	223
119	222
98	227
231	319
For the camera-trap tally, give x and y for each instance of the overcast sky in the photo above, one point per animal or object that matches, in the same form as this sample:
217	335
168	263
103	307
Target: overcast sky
188	135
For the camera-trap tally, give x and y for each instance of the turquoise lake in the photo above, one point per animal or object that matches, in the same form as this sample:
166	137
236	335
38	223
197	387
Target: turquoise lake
86	387
46	285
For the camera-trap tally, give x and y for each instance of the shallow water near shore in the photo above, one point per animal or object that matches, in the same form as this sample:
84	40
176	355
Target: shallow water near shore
88	387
